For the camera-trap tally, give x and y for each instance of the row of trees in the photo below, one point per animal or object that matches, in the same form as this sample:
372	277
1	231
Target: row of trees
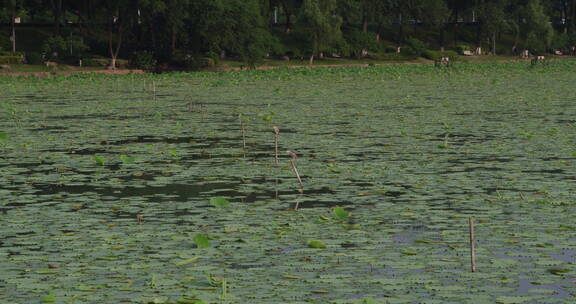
250	29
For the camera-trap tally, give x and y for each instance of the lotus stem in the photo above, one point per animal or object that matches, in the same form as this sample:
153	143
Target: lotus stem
293	159
276	139
224	289
472	244
243	134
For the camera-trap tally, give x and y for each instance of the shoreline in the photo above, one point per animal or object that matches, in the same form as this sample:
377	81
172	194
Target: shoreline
65	73
264	67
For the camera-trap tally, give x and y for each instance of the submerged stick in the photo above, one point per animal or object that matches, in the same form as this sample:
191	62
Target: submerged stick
293	165
276	139
472	244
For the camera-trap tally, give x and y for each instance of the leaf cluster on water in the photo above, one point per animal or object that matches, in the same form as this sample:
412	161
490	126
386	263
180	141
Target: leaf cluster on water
394	161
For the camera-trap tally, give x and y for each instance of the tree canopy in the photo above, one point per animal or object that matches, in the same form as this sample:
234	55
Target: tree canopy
182	30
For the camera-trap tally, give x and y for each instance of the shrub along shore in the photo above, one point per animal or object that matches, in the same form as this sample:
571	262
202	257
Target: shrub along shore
228	66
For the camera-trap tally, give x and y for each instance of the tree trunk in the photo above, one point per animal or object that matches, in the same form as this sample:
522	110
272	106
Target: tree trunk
57	12
173	44
311	61
517	33
13	30
454	17
288	26
112	63
400	31
114	51
455	33
82	24
365	23
112	54
565	12
479	35
456	27
442	37
571	18
153	38
378	30
494	43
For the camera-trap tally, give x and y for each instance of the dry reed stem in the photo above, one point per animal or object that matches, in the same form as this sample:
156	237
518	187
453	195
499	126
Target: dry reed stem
276	139
472	244
293	165
243	134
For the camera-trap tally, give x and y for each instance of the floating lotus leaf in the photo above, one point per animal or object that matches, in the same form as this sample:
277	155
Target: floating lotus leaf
201	240
219	202
411	152
340	214
316	244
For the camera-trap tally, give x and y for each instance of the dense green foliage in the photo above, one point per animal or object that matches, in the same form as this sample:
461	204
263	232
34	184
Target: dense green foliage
182	32
11	59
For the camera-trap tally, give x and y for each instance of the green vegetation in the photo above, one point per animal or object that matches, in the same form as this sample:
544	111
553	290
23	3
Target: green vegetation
157	35
154	189
12	59
219	202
